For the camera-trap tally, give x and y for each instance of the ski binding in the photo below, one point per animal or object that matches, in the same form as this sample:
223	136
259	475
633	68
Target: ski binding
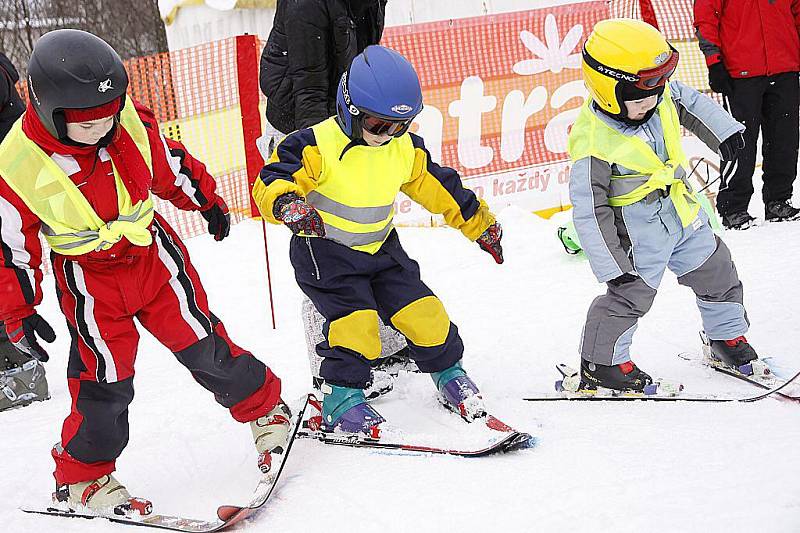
570	385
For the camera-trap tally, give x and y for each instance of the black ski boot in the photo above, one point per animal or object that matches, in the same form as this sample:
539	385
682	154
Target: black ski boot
780	211
625	376
734	353
740	220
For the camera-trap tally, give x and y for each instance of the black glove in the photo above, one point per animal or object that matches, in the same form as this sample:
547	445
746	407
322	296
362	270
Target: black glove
219	219
719	80
627	277
489	241
298	216
22	334
730	147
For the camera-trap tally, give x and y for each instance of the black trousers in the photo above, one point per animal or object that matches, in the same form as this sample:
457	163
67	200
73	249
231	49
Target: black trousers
344	283
769	104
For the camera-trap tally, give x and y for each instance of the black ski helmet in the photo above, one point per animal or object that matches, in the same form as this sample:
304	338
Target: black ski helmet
72	69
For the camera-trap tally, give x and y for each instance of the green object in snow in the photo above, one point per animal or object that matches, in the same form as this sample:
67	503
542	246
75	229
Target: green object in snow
702	199
569	238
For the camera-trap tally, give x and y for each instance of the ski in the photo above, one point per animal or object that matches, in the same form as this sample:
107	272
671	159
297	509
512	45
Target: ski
227	515
757	372
508	439
171	523
778	384
605	395
632	397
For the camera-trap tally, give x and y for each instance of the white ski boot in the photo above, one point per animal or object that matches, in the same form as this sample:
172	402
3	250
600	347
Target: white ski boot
270	433
103	496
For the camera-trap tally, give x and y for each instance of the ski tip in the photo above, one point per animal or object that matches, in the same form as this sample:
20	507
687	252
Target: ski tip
226	512
523	441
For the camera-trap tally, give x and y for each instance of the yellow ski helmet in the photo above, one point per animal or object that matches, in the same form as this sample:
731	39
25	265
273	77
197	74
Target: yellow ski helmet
625	54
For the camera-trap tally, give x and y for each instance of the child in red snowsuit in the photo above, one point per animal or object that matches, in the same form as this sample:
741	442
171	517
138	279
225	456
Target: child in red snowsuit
81	167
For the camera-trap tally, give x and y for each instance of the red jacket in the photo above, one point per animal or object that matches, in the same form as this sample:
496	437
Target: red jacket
177	177
751	37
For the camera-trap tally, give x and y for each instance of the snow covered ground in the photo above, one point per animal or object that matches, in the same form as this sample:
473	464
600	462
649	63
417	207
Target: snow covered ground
598	467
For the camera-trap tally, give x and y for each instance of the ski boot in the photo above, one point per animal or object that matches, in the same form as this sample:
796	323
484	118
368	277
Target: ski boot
780	211
103	496
622	377
346	409
23	384
740	220
736	354
459	393
270	433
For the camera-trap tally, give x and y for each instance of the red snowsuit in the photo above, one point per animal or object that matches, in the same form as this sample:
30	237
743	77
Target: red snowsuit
101	292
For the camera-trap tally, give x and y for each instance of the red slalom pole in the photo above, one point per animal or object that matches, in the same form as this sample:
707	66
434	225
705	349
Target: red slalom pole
648	13
247	58
269	277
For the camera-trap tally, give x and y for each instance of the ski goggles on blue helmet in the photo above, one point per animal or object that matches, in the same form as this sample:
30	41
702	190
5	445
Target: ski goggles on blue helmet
380	93
382	126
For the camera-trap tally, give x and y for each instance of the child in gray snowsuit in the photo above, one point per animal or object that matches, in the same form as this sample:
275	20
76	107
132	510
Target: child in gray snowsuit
633	208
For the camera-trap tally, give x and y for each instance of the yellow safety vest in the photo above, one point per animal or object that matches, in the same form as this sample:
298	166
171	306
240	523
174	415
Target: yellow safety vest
69	223
355	193
590	136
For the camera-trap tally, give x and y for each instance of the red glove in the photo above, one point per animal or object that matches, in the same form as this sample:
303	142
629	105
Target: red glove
489	241
22	334
218	218
298	216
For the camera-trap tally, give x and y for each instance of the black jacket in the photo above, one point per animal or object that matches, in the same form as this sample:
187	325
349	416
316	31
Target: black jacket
11	105
311	44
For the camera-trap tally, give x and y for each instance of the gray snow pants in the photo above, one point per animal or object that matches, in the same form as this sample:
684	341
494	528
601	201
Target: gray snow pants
654	239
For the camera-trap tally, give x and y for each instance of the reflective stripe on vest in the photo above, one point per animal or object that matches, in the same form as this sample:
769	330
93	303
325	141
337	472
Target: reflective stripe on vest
590	136
360	215
355	192
69	223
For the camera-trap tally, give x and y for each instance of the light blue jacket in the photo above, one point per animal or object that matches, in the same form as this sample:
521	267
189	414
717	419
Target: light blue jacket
601	228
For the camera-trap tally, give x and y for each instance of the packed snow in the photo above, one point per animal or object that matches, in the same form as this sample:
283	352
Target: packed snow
620	467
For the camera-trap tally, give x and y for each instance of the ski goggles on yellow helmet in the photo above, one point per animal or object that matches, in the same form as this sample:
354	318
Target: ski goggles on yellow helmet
646	79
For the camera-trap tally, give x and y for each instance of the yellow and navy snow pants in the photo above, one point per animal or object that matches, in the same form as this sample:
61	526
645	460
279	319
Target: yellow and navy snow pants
351	289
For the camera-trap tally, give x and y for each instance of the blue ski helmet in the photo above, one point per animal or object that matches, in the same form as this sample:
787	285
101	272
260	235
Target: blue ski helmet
380	83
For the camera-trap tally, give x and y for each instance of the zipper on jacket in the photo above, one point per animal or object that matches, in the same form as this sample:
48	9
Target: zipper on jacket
313	259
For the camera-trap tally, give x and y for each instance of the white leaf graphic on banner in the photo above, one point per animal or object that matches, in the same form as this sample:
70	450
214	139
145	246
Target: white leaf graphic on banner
556	55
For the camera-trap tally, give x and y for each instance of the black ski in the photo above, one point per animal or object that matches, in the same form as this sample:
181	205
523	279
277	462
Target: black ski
632	397
228	515
778	384
776	391
756	373
607	395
